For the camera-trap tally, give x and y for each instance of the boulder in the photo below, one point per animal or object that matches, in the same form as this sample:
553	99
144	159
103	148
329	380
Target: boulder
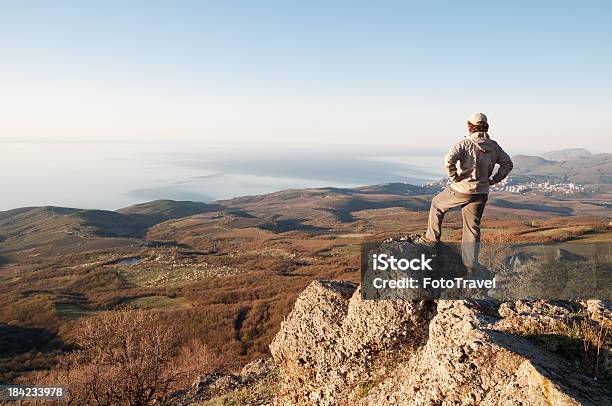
337	349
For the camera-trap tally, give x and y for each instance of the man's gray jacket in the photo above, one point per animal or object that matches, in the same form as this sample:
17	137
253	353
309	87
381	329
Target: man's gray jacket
470	163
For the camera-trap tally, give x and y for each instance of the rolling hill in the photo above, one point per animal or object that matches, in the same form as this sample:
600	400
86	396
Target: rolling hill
50	229
161	210
594	170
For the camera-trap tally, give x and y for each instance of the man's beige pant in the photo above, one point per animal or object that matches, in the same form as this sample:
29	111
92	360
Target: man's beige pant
472	207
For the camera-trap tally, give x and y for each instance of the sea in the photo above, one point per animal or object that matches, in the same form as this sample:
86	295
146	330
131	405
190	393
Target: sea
112	176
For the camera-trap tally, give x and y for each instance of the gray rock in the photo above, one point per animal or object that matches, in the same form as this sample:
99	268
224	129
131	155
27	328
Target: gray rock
336	349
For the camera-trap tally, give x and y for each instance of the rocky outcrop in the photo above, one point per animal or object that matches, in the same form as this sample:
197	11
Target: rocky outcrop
337	349
333	339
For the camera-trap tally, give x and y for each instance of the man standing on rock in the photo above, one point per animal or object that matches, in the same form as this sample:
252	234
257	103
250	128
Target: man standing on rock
469	165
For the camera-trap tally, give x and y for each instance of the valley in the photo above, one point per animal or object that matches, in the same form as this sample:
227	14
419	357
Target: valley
226	272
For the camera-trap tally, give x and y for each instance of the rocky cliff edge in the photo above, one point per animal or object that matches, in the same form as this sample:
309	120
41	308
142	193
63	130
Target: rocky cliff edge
337	349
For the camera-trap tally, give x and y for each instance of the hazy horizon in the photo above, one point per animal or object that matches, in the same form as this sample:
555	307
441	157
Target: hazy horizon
111	176
115	175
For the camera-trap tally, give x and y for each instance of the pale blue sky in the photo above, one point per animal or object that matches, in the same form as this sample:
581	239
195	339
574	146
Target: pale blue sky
388	73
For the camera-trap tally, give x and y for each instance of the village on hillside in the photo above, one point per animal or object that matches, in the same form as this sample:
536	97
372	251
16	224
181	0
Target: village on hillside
509	185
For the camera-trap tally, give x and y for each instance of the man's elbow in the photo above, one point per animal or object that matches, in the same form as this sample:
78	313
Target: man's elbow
506	165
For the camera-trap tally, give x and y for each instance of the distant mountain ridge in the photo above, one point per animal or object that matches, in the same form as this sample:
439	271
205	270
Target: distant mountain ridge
567	154
591	170
528	162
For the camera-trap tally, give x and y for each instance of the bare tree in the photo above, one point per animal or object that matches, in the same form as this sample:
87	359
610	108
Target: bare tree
123	358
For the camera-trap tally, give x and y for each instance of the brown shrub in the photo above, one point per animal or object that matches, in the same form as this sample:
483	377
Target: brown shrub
127	358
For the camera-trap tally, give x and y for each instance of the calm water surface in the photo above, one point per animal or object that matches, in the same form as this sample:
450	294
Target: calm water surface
111	176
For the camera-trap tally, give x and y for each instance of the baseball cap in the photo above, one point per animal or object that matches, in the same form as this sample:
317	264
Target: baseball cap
476	117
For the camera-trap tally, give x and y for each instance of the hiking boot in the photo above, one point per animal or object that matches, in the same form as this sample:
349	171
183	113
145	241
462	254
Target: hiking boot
426	240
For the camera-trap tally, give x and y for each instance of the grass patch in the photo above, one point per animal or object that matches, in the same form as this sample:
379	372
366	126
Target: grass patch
261	393
583	342
71	311
159	302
